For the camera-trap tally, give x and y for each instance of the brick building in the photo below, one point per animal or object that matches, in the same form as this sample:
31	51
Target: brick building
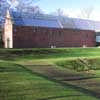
45	32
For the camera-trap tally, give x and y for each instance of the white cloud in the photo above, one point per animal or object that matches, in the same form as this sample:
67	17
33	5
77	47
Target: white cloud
95	16
70	12
77	14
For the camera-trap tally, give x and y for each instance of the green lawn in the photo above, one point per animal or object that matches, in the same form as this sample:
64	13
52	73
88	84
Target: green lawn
17	83
49	74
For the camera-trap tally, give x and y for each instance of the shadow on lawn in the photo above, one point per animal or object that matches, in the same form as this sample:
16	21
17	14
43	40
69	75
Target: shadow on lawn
86	91
78	79
9	57
24	53
58	97
62	83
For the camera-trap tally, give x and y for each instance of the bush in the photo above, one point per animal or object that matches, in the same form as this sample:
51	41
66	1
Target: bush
80	64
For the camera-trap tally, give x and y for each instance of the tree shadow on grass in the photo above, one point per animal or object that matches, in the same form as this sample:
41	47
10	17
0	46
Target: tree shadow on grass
59	97
66	85
78	79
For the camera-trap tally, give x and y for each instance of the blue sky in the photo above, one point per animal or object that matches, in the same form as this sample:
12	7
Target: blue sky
51	5
71	7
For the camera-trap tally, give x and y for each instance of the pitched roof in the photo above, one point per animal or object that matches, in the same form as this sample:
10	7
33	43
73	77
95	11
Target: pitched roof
77	23
29	19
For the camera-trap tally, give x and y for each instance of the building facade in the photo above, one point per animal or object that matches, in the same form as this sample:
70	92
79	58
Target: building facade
38	32
41	37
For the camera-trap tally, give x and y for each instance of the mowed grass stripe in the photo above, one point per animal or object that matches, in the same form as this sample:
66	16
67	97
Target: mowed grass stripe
16	83
43	53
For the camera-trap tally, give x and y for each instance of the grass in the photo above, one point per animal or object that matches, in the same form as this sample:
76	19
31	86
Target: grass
17	83
80	64
49	74
18	54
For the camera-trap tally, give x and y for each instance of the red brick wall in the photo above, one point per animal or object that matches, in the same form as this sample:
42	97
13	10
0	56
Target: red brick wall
34	37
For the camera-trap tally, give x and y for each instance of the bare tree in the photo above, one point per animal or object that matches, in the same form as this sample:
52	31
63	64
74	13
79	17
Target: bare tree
58	12
3	6
24	7
33	10
20	5
86	12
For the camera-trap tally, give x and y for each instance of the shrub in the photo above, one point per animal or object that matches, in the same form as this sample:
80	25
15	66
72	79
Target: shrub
80	64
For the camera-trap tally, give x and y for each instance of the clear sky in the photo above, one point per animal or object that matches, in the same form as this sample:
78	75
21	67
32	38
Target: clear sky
71	7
